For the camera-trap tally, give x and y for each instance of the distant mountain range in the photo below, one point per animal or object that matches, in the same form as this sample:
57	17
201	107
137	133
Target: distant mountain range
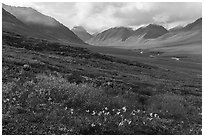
146	36
30	22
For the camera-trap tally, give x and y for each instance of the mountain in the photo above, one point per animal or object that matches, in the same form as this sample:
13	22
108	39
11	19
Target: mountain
7	17
12	24
176	29
119	33
81	33
110	36
42	25
114	36
151	36
151	31
197	25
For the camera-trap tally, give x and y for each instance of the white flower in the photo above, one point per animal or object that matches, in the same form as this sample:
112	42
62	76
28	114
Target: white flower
107	113
93	113
93	125
49	98
106	108
138	111
72	111
151	114
124	109
87	111
150	119
121	123
99	113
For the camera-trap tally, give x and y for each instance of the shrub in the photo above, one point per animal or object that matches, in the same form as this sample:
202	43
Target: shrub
168	105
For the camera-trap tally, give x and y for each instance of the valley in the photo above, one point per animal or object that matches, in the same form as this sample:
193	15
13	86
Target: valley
61	81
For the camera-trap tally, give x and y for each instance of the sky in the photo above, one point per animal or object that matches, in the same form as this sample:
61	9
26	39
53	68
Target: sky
98	16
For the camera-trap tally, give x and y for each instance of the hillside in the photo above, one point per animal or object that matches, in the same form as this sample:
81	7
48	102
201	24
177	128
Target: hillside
51	88
151	31
197	25
156	38
119	35
42	25
81	33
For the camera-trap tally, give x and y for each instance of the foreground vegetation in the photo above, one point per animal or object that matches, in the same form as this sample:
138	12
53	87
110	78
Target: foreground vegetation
68	90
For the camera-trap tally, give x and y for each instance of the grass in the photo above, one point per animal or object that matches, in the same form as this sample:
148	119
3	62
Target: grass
81	92
168	105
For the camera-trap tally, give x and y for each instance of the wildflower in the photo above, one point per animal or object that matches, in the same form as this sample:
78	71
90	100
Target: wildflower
124	109
99	124
113	109
72	111
121	123
49	98
65	108
155	115
151	114
106	108
150	119
62	128
138	111
93	125
93	113
99	113
118	113
87	111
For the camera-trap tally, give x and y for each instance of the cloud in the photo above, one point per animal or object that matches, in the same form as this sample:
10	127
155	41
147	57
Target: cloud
98	16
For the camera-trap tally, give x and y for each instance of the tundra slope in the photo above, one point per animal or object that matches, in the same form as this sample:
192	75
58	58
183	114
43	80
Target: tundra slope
71	90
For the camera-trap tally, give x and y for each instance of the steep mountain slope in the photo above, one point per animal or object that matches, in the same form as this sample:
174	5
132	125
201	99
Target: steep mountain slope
187	40
11	24
119	33
197	25
44	25
81	33
112	35
151	31
7	17
118	36
175	29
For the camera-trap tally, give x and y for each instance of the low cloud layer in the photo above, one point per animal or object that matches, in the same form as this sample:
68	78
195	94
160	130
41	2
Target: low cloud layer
99	16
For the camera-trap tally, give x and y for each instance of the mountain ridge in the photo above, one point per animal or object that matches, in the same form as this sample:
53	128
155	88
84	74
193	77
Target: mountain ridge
42	24
81	33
